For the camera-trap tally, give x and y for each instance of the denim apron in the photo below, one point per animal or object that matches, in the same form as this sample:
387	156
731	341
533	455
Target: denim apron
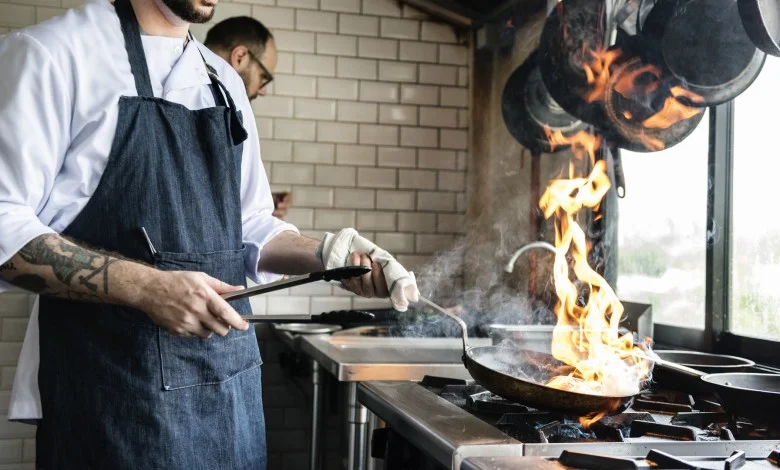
117	391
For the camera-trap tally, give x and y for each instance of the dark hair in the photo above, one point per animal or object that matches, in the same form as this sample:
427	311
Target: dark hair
236	31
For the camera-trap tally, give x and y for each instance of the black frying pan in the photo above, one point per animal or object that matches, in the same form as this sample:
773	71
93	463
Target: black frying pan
761	19
518	375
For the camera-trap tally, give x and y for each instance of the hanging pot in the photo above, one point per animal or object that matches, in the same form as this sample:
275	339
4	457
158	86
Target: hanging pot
528	109
705	45
761	19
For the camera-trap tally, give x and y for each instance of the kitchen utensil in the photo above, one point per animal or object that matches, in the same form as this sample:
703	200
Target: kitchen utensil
517	375
337	274
705	45
528	110
332	318
307	328
761	19
706	362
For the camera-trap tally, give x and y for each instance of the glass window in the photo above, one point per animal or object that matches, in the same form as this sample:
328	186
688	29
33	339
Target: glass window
755	291
662	225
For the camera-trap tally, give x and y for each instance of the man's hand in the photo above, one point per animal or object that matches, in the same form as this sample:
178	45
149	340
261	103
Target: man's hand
189	304
372	284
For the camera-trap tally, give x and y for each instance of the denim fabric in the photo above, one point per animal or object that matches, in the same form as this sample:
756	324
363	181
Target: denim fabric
117	391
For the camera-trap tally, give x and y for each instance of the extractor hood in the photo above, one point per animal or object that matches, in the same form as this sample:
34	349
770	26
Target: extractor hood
473	14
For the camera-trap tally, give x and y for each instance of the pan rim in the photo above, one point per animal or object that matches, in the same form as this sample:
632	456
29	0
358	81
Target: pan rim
470	353
739	361
708	378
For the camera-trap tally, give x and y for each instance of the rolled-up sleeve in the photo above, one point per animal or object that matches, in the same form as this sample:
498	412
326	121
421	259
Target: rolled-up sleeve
34	131
257	204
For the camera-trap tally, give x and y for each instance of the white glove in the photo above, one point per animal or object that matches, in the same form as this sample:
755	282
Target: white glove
334	251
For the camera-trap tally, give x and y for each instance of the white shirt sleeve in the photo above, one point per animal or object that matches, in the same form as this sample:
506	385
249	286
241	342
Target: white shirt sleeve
257	204
35	109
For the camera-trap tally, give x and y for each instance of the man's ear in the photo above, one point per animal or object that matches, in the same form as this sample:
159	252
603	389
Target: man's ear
239	57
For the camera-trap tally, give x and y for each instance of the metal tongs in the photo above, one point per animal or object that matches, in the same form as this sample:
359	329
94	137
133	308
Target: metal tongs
337	274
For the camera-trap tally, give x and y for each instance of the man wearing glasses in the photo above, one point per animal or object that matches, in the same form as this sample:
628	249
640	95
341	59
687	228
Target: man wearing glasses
249	47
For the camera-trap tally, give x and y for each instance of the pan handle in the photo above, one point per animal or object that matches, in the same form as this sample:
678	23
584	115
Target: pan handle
461	323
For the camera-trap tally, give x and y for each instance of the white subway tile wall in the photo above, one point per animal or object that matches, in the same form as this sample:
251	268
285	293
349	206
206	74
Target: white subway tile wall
366	124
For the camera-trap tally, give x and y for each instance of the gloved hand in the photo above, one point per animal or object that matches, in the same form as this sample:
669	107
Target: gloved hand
335	251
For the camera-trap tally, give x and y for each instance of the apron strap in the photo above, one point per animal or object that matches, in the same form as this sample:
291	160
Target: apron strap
135	49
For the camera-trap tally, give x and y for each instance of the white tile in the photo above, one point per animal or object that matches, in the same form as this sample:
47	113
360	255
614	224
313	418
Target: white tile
374	220
437	159
357	68
291	173
463	76
330	304
435	201
452	180
416	222
439	74
419	137
322	22
298	3
300	217
7	375
451	96
451	223
336	44
273	106
359	25
13	329
12	430
306	152
453	55
17	15
10	449
378	48
432	243
312	197
396	200
454	139
343	176
399	29
362	155
349	6
416	179
317	65
354	198
397	71
265	127
460	202
315	109
379	135
353	111
334	219
413	13
46	13
28	451
398	157
364	303
39	3
337	88
292	85
376	177
416	51
274	18
462	160
464	118
9	353
381	92
284	65
337	132
315	288
396	242
276	150
229	10
288	305
294	129
398	114
14	304
419	94
381	8
294	41
438	32
438	117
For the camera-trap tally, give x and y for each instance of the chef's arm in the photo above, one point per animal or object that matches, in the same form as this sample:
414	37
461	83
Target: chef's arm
290	253
184	303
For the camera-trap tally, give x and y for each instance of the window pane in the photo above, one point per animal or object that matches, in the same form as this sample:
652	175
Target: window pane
755	293
662	230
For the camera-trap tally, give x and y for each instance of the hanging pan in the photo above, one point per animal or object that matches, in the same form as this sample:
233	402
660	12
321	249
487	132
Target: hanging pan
761	19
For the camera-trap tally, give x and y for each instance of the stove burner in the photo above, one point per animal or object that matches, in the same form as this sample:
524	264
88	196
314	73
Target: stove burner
641	404
641	428
700	419
487	402
662	460
595	462
441	382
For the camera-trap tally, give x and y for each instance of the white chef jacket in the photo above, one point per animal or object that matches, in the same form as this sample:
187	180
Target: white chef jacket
60	83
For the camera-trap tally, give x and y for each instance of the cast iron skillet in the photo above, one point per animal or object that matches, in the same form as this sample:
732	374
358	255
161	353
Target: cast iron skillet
705	45
761	19
706	362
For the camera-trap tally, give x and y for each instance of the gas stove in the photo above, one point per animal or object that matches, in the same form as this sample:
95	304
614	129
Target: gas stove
662	429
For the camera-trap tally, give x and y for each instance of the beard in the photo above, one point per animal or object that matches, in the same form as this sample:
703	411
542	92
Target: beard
187	11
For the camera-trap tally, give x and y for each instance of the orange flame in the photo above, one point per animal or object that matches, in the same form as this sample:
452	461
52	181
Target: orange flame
597	73
586	336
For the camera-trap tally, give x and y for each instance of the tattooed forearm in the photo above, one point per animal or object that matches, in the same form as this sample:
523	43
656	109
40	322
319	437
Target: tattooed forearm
9	266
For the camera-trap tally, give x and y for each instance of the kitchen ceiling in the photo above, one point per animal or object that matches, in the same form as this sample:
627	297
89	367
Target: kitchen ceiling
474	13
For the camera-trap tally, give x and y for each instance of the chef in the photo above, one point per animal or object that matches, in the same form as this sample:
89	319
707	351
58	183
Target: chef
132	194
249	47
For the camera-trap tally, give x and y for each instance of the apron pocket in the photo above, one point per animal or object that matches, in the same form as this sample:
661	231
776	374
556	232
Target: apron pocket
194	361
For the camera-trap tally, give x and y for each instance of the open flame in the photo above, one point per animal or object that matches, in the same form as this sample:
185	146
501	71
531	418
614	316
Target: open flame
586	336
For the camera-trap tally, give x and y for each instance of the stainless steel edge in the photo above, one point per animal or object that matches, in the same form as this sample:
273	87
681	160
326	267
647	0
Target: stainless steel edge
432	424
753	449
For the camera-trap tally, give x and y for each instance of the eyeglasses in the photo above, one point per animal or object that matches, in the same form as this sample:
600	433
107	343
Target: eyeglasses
266	77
